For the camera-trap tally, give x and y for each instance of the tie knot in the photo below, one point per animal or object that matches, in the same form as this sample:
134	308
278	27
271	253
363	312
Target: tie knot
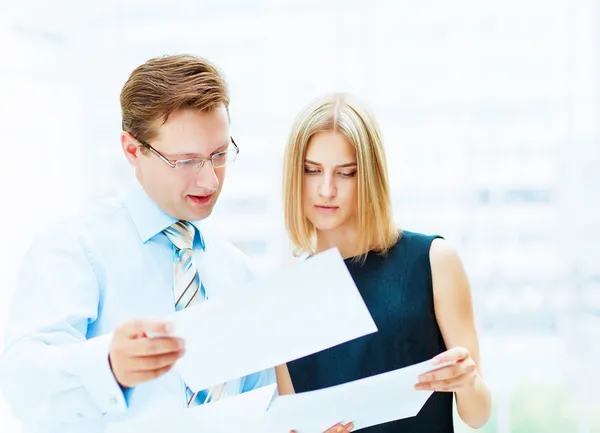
181	234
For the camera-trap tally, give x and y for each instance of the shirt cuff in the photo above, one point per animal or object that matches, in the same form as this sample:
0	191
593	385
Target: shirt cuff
93	368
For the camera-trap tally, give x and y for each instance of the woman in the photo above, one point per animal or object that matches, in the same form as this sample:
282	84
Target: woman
336	194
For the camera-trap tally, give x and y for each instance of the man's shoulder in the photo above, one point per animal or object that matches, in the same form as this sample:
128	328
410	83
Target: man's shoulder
219	243
96	220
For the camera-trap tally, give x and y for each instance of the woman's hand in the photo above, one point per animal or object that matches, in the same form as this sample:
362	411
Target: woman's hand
459	376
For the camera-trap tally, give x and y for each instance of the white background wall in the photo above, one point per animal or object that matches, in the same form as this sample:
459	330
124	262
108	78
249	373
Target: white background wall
489	111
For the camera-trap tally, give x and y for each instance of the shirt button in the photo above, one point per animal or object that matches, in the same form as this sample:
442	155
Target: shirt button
113	400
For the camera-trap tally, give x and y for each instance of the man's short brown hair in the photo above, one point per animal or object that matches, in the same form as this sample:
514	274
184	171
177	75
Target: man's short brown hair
165	84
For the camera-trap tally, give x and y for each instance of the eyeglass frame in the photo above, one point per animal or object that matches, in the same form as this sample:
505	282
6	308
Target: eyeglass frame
173	164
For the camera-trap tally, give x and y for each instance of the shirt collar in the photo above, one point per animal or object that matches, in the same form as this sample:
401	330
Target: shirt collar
148	218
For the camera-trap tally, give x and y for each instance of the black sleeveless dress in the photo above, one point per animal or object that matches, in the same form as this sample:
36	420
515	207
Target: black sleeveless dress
398	292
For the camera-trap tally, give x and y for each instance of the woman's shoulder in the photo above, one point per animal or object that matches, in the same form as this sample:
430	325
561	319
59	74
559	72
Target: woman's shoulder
412	238
432	249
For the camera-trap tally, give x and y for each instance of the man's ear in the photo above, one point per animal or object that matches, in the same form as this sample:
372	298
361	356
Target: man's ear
131	148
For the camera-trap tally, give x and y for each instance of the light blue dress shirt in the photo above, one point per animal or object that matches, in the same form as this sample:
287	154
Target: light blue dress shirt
77	283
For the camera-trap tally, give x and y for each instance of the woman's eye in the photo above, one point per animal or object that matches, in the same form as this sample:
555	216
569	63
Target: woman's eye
348	174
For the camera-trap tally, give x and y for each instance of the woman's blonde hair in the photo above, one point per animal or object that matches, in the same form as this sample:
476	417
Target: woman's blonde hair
344	114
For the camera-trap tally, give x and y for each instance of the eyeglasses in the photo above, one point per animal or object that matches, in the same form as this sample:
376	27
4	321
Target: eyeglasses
192	165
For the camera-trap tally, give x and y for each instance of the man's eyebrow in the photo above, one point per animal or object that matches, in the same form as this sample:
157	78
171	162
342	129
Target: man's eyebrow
195	155
222	147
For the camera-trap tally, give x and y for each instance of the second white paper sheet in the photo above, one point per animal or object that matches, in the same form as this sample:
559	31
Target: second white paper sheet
366	402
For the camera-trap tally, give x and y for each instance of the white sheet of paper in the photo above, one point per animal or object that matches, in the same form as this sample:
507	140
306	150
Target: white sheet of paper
366	402
294	312
230	415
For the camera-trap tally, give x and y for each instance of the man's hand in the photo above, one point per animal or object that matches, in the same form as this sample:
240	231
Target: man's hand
135	358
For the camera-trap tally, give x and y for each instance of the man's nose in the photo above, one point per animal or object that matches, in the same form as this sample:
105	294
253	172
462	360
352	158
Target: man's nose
206	177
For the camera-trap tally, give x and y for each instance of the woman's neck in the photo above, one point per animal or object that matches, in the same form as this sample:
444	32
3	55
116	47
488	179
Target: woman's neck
344	239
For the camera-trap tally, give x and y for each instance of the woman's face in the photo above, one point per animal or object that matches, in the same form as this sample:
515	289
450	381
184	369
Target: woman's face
330	192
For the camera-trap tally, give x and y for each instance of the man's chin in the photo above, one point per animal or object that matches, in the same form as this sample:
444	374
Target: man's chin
198	215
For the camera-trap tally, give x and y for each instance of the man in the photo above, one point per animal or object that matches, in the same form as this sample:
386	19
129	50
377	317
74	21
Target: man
77	352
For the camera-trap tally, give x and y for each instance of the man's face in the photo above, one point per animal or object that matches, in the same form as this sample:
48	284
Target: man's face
184	193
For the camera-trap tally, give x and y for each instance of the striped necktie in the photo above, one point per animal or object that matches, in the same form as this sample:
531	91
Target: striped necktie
188	289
